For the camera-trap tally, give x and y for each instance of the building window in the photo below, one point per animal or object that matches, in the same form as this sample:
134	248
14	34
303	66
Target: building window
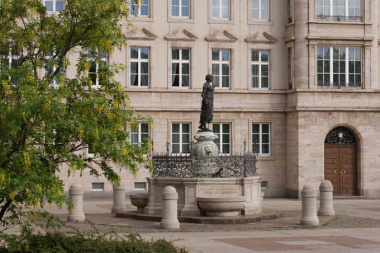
139	69
140	134
141	10
50	67
260	69
180	138
140	186
261	139
223	131
339	10
10	56
96	71
181	8
221	67
220	9
290	74
91	150
97	187
264	184
289	11
339	66
180	67
54	5
260	10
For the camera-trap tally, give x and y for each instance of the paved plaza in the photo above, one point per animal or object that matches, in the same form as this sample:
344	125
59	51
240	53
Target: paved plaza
356	228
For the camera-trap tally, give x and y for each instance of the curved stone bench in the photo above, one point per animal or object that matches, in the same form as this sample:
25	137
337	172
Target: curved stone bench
222	206
140	200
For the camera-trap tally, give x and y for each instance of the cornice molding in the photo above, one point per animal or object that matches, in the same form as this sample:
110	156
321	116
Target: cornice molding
221	36
176	35
140	34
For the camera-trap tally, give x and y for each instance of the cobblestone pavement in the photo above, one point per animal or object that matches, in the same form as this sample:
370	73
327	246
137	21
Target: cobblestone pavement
355	228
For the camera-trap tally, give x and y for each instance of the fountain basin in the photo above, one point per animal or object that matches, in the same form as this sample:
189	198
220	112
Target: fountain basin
140	200
221	206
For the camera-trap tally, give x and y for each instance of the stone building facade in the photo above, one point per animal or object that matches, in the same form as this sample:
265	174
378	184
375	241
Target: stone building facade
289	73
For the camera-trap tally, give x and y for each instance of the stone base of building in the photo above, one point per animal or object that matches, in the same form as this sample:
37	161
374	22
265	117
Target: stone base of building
189	189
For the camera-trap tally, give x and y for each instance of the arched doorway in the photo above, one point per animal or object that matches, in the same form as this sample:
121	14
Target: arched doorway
341	161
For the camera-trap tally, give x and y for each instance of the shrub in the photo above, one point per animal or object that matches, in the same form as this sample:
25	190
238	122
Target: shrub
95	243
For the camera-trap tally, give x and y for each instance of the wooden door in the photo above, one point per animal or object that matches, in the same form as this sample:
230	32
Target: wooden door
341	168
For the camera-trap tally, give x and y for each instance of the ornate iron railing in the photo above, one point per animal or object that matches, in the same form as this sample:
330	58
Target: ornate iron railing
187	166
339	18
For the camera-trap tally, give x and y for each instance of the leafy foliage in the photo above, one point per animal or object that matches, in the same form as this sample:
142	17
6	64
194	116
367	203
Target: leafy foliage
48	118
95	243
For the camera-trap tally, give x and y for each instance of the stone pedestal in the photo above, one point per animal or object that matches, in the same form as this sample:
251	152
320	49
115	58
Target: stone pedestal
309	206
189	189
118	199
326	199
169	209
203	148
76	197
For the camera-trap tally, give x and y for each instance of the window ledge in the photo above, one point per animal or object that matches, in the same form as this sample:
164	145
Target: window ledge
265	158
337	22
138	87
260	22
180	20
140	19
220	21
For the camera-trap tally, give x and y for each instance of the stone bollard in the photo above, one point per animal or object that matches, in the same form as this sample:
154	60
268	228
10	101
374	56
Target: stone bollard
169	208
118	199
76	197
326	199
309	206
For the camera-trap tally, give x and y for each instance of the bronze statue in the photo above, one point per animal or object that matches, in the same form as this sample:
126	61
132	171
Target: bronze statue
207	103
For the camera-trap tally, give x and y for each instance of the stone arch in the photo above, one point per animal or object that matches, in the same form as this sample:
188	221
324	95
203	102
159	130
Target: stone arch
342	159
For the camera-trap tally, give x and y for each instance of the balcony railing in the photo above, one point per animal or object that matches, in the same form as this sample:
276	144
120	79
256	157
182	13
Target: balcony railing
339	18
238	166
340	85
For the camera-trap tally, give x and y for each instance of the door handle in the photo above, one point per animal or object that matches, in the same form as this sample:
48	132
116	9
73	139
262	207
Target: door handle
334	171
341	174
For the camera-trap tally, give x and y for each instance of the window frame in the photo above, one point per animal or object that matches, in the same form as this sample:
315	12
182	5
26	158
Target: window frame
139	61
140	189
333	17
55	5
260	10
180	138
180	61
180	15
104	59
10	58
346	61
55	81
220	10
220	64
138	14
260	144
140	134
260	63
97	189
220	143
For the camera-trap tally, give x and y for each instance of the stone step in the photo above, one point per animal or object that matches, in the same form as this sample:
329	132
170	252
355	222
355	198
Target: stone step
204	219
349	197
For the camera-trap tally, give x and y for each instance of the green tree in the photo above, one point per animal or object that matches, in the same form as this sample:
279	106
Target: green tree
49	121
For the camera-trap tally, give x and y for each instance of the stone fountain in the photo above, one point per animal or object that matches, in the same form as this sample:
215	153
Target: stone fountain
207	183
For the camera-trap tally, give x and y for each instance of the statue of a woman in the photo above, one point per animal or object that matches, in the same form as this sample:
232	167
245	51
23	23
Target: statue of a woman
207	103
